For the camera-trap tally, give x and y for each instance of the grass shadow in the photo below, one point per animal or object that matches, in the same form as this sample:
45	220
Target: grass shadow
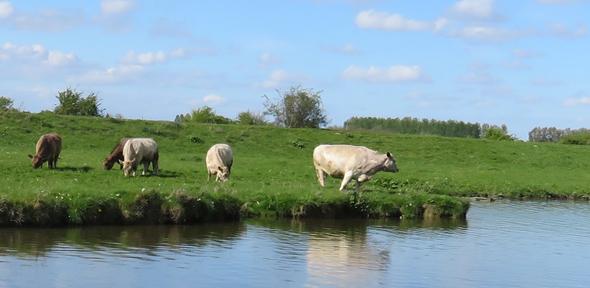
83	169
168	174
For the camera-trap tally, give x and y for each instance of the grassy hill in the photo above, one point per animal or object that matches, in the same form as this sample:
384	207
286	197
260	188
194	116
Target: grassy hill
272	174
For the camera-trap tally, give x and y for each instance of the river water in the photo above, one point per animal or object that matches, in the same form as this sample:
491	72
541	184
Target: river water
501	244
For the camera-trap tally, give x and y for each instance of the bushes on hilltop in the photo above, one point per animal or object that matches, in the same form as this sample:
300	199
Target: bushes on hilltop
72	102
297	108
251	118
204	114
6	104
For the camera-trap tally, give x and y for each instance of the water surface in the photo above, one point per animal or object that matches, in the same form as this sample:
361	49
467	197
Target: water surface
509	244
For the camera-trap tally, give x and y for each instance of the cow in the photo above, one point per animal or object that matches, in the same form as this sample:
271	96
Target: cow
47	149
140	151
115	156
350	162
219	161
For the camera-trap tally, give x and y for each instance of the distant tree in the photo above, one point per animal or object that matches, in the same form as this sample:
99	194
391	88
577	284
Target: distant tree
408	125
297	108
6	104
251	118
203	114
497	133
72	102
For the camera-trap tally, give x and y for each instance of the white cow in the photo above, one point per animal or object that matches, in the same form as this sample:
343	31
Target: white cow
140	150
219	161
350	162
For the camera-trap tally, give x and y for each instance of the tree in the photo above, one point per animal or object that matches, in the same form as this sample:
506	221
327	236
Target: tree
250	118
204	114
297	108
6	104
71	102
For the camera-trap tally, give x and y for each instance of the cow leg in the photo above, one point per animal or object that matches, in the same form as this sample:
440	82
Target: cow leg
155	167
146	164
345	180
321	176
50	163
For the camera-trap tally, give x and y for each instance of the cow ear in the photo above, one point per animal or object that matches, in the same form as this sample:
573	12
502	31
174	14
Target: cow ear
30	156
219	168
389	155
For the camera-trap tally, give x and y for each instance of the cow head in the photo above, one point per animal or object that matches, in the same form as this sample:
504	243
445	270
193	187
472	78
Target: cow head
128	167
390	164
222	173
108	164
36	161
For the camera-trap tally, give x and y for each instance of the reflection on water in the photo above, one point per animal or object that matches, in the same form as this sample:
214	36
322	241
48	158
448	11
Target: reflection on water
511	244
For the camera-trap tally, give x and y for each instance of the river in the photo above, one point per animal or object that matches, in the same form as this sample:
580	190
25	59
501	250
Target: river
501	244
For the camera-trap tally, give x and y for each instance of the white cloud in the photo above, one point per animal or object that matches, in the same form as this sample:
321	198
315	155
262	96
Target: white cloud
267	59
149	58
6	9
561	30
276	78
392	74
556	2
487	33
213	99
116	7
371	19
35	54
475	9
576	101
113	75
57	58
347	48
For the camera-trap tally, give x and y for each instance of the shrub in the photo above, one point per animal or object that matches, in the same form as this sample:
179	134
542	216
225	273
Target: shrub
71	102
250	118
297	108
580	138
204	114
495	133
6	104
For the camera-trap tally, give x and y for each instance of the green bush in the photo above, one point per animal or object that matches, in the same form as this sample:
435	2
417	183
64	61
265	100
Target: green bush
250	118
71	102
582	138
495	133
204	114
6	104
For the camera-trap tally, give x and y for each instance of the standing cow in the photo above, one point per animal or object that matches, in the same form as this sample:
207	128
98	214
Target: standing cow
47	149
350	162
115	156
140	150
219	161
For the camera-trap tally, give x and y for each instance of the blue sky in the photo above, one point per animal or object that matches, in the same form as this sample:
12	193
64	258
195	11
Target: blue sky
520	63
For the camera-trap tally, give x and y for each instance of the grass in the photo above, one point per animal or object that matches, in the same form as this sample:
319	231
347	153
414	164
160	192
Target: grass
273	173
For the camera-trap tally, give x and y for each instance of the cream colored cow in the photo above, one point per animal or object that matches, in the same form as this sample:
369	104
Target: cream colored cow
140	150
219	160
350	162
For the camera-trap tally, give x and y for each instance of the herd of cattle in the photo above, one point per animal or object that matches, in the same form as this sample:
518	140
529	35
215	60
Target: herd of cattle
340	161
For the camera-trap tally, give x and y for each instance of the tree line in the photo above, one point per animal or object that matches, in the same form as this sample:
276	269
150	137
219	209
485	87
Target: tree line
553	134
409	125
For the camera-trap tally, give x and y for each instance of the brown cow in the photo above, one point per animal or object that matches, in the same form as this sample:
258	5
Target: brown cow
47	149
115	156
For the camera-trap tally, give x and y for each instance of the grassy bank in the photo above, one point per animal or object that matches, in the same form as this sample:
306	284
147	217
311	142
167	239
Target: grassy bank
273	174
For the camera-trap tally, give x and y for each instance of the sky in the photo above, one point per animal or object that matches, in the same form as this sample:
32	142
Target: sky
520	63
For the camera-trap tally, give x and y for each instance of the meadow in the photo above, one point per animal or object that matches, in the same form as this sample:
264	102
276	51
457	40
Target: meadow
273	174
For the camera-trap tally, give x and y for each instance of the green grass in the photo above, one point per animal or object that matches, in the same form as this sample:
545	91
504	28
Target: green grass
272	175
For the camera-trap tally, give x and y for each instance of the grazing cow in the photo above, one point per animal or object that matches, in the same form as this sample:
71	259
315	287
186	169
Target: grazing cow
47	149
350	162
219	161
140	150
115	156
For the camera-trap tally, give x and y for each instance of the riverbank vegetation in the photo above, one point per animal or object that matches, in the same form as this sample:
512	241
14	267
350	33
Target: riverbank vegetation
272	175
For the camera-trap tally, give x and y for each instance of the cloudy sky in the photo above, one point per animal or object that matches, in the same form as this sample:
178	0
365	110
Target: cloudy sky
521	63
